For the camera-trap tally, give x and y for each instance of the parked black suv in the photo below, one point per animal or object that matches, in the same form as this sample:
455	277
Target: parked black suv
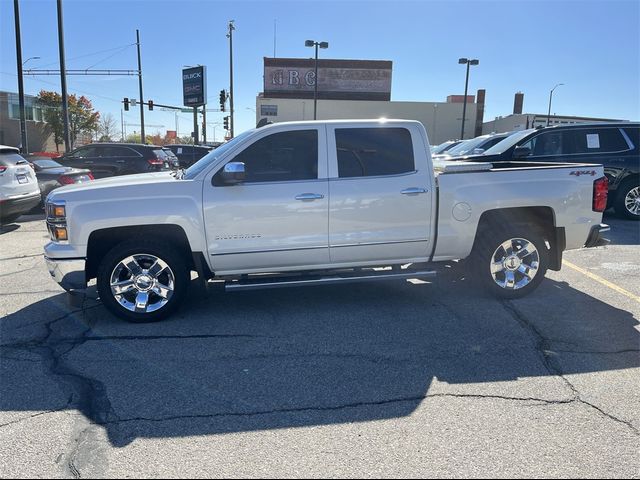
615	145
111	159
189	154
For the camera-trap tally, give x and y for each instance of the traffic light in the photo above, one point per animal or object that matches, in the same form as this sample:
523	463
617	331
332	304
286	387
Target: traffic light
150	103
226	122
223	99
126	104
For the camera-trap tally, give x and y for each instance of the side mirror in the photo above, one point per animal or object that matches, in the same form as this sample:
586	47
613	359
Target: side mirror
521	152
233	173
478	151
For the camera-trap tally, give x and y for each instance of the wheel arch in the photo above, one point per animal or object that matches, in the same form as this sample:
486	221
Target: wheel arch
541	218
103	240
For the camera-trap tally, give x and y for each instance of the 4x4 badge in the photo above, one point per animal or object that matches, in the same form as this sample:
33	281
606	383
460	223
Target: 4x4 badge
578	173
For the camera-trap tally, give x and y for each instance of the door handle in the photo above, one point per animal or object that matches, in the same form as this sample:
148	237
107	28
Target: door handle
309	196
413	191
88	162
119	161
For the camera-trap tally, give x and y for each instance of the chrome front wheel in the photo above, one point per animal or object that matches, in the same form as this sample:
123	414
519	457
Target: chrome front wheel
142	283
143	280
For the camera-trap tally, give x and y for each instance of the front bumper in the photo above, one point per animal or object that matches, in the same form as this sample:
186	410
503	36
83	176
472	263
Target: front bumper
595	237
68	272
22	204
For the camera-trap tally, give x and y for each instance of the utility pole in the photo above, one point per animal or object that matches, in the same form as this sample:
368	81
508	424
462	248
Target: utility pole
204	124
230	36
63	80
23	117
196	135
122	124
142	135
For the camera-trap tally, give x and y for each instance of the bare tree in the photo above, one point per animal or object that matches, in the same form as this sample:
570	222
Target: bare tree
107	128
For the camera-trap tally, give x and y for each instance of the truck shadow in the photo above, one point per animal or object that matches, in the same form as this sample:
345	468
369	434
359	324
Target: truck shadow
300	357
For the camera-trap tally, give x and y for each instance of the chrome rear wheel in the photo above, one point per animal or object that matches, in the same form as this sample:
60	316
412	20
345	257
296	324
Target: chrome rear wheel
515	263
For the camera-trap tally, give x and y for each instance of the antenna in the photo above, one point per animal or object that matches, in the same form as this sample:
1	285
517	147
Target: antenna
274	38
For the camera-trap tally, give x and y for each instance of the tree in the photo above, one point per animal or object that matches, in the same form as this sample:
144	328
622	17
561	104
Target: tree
51	103
185	139
82	118
107	128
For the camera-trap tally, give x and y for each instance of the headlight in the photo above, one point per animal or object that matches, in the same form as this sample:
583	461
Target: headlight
57	221
56	211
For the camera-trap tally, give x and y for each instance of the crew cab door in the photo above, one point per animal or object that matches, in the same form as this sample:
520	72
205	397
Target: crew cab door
278	217
380	194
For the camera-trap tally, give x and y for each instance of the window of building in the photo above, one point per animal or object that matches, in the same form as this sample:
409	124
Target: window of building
269	110
280	157
369	152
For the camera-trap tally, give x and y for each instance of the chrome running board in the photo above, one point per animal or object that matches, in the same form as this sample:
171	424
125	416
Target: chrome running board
304	280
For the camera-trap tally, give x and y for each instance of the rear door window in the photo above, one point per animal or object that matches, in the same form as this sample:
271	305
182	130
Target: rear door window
370	152
598	140
633	133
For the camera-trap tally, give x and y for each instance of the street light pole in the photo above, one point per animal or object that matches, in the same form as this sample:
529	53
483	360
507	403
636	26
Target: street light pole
550	96
23	117
63	80
143	138
466	85
313	43
230	36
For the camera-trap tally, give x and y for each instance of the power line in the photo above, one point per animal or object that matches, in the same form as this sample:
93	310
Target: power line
121	47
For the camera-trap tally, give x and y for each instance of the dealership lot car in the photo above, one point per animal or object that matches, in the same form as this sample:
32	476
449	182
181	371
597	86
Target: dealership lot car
19	191
615	145
474	146
189	154
112	159
52	175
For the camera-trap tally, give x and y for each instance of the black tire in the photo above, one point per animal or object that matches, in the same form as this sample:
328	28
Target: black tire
627	188
487	251
143	251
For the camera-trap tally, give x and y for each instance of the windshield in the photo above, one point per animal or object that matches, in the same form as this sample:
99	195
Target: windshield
442	147
508	142
213	155
467	146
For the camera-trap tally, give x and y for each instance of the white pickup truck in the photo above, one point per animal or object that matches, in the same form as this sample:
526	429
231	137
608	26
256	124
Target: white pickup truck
308	203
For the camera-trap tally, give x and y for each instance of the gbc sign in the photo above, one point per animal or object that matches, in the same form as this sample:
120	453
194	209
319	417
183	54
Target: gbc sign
194	86
337	79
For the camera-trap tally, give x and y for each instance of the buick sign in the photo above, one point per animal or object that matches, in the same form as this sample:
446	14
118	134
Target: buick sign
194	86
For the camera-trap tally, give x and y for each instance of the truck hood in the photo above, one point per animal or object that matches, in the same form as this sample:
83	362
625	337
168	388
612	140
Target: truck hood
115	183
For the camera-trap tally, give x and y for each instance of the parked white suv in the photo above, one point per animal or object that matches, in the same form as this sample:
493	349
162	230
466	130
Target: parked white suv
19	191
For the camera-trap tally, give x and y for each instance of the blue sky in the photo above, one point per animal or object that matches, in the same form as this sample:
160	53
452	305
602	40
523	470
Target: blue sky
593	47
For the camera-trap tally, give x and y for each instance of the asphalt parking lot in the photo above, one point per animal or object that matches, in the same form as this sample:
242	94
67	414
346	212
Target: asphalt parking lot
385	379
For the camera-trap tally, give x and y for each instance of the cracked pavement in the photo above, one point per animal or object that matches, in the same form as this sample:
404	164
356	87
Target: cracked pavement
384	379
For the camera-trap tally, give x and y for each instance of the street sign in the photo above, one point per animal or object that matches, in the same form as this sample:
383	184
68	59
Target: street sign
186	110
194	86
133	102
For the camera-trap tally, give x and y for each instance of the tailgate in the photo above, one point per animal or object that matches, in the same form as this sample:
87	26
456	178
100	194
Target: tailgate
17	181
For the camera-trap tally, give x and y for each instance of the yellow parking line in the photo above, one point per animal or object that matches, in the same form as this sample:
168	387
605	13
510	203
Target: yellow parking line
602	281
